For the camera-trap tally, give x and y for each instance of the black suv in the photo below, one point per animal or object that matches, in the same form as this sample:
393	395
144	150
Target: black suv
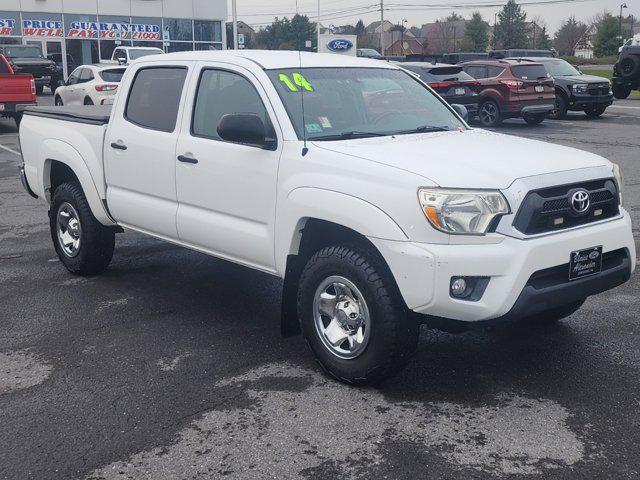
29	59
576	91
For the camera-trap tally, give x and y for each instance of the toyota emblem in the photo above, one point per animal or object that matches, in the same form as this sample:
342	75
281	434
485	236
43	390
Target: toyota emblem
580	201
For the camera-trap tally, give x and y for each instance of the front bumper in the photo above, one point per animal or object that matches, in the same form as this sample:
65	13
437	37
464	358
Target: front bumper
582	102
25	183
423	271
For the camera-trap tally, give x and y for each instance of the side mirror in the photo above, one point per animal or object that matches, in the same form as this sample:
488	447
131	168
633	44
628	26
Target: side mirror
245	128
122	60
462	111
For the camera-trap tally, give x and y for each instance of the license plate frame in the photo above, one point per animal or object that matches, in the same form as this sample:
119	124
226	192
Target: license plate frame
460	91
585	263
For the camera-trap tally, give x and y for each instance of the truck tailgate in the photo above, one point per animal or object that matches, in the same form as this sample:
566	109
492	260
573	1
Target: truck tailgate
16	89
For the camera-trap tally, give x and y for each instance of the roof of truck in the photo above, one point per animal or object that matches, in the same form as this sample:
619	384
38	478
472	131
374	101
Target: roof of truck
272	59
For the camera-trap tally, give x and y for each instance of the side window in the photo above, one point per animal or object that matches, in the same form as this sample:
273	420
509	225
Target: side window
86	75
493	71
154	97
476	71
73	78
221	93
4	69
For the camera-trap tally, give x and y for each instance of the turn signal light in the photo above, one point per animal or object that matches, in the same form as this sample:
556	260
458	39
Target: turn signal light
33	86
512	84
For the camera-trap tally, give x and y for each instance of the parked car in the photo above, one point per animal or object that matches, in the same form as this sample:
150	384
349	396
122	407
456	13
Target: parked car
450	81
125	55
520	52
17	91
512	89
376	203
368	53
575	91
90	85
626	71
29	59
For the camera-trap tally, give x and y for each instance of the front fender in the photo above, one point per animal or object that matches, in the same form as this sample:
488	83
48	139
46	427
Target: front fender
305	203
56	150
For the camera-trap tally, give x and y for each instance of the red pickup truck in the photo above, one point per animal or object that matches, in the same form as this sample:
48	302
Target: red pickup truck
16	91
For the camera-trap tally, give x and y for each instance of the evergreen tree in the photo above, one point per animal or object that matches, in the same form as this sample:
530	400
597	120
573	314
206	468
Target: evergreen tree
476	36
568	36
543	42
606	41
511	31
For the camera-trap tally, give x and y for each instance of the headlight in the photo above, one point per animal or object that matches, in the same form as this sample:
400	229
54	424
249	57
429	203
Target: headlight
617	174
462	211
582	88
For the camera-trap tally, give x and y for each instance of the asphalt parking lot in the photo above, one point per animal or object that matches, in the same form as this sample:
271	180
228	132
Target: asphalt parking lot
171	366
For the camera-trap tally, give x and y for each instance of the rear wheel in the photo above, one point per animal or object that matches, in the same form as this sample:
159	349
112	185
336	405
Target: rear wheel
58	101
353	317
595	111
560	110
535	119
621	92
489	114
17	118
84	246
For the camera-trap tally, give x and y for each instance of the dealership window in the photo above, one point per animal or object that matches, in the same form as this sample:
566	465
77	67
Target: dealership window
179	47
10	27
83	52
110	42
208	46
145	29
81	26
42	25
179	29
207	31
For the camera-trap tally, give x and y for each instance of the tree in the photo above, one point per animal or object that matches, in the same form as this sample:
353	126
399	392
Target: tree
359	29
511	30
606	41
285	34
569	35
476	37
453	17
543	42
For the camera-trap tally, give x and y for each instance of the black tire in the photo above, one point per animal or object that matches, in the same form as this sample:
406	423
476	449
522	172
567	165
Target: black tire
621	92
551	317
596	111
535	119
58	101
489	114
560	112
39	89
88	101
18	119
392	333
96	242
629	66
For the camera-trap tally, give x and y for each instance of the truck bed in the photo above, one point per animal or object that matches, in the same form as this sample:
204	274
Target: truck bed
89	114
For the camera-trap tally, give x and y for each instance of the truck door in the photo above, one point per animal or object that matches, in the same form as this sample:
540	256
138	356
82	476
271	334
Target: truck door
227	191
140	147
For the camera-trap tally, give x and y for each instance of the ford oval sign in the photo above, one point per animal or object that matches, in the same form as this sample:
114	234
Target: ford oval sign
340	45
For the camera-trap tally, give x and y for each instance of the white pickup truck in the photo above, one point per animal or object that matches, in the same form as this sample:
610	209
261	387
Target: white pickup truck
348	178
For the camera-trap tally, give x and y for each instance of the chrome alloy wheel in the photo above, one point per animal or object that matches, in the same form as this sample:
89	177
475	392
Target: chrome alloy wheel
488	113
342	317
68	229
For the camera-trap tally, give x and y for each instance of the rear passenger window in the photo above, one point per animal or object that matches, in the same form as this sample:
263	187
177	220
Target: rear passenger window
154	97
221	93
476	71
493	72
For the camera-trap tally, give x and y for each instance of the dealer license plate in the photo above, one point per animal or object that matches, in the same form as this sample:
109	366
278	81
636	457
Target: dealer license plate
539	88
584	263
1	107
460	91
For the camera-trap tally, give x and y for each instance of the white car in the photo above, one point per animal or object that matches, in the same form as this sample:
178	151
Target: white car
126	55
90	85
350	179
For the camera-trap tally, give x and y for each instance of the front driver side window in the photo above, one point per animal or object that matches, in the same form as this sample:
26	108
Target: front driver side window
220	93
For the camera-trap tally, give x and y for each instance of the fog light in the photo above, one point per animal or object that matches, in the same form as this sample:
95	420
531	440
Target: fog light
458	286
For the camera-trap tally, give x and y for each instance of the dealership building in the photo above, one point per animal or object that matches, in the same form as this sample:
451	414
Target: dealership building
77	32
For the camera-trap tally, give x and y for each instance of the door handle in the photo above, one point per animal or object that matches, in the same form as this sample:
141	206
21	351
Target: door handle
118	146
185	159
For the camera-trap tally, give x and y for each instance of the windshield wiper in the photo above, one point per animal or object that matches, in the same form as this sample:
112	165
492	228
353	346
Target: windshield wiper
348	135
422	129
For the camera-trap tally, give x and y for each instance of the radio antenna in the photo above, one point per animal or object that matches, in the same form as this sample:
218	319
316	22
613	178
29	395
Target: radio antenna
305	149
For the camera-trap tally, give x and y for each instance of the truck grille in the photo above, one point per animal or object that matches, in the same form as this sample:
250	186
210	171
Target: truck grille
556	208
598	89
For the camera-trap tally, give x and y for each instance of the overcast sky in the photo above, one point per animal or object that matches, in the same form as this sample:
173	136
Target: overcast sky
340	12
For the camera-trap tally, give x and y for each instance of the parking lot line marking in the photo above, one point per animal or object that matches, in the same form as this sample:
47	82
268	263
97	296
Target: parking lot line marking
10	150
624	106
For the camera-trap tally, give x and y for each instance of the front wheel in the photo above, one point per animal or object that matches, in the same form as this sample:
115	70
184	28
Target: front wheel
489	114
84	246
561	107
534	119
595	111
353	317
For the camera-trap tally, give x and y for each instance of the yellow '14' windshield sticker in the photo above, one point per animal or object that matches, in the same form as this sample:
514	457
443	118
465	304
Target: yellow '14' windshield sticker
298	81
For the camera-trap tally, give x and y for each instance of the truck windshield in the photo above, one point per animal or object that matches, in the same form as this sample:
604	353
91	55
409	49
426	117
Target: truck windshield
22	52
343	103
558	68
135	53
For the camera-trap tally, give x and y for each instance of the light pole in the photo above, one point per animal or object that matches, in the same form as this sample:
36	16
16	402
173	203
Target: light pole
234	14
318	28
495	23
404	20
622	5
